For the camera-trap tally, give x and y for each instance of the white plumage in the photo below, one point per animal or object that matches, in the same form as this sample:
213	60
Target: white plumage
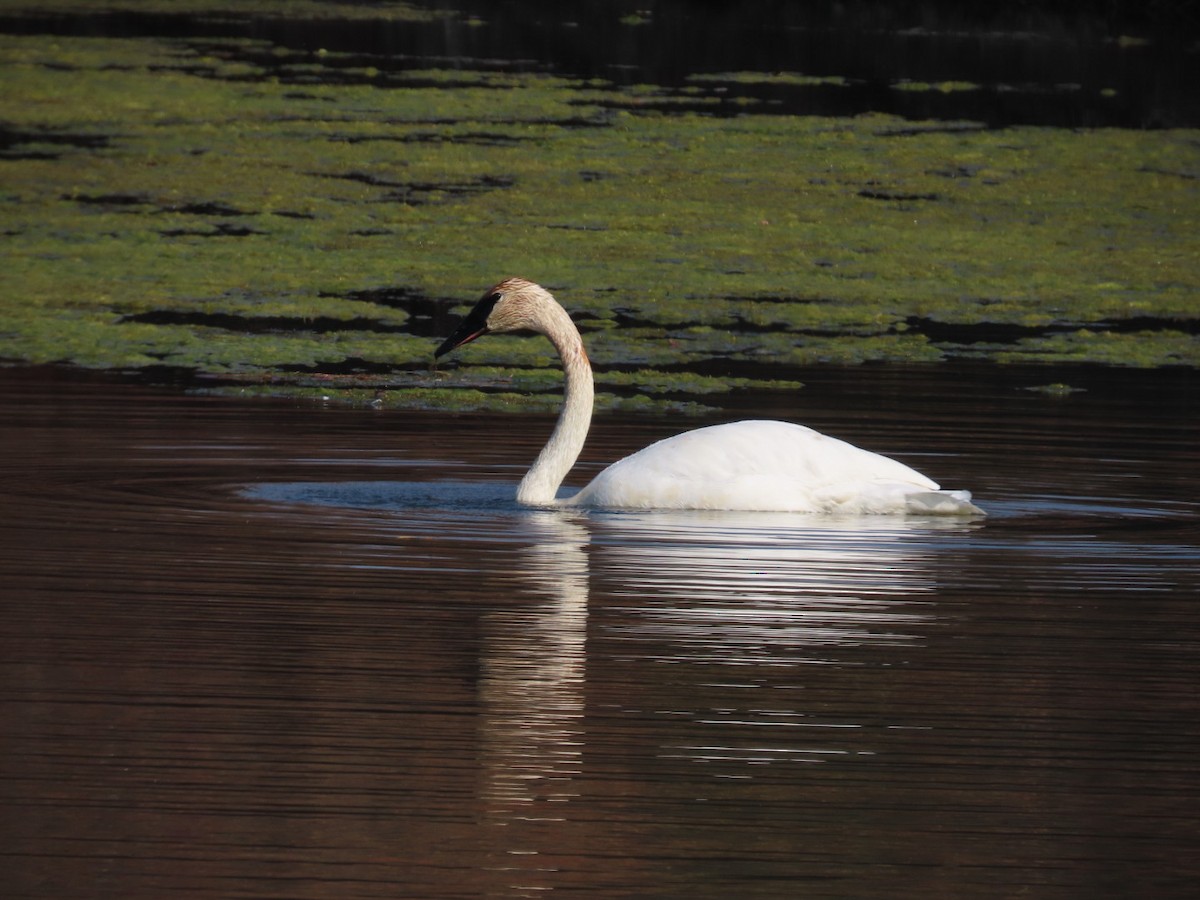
750	465
760	465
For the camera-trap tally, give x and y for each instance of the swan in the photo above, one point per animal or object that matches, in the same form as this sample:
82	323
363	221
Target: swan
749	465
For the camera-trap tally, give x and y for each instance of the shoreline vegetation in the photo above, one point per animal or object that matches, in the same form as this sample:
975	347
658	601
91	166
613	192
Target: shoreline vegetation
266	217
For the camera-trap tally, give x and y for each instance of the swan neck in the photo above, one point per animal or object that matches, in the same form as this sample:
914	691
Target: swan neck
540	484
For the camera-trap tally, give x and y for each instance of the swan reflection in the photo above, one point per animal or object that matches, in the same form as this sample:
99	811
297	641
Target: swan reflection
701	638
708	588
769	587
532	681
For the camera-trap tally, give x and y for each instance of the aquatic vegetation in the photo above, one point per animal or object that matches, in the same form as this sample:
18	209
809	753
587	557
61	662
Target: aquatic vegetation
944	87
235	208
1055	389
1142	348
790	79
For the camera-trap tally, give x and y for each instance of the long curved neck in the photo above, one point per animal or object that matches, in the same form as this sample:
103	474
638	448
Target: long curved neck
541	482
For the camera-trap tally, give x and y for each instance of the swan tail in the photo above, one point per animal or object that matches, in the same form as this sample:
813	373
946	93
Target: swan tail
941	503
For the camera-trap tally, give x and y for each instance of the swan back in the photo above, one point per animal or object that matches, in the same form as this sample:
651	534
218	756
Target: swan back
764	465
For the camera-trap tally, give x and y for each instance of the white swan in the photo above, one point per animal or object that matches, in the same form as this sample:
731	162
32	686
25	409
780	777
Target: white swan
753	465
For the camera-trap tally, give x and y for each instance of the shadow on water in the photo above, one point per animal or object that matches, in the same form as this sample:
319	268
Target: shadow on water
254	644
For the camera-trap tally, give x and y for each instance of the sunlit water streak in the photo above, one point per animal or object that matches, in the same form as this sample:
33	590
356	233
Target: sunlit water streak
264	650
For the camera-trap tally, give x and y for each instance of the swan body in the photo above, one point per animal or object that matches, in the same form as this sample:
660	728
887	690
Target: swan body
762	465
750	465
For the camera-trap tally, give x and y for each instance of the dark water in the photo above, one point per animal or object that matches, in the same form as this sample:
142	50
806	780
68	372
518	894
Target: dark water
260	650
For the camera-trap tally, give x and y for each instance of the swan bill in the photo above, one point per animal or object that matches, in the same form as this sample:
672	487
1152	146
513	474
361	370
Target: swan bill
473	325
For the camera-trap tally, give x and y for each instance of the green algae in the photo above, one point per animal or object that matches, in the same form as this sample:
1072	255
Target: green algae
786	79
655	382
942	87
1145	349
1055	389
200	204
433	394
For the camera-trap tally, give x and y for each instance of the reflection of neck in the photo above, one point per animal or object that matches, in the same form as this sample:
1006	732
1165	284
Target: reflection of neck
541	482
533	672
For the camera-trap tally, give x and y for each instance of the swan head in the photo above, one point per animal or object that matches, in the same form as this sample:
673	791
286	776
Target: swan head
512	305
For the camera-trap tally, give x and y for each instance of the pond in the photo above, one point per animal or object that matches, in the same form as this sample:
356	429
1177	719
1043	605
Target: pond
266	649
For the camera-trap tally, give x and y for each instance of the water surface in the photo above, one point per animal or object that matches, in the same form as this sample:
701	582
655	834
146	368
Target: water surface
267	650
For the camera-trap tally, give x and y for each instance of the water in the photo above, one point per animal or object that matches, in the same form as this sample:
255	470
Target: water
274	650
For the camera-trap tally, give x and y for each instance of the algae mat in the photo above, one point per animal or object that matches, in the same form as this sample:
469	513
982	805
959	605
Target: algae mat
301	220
